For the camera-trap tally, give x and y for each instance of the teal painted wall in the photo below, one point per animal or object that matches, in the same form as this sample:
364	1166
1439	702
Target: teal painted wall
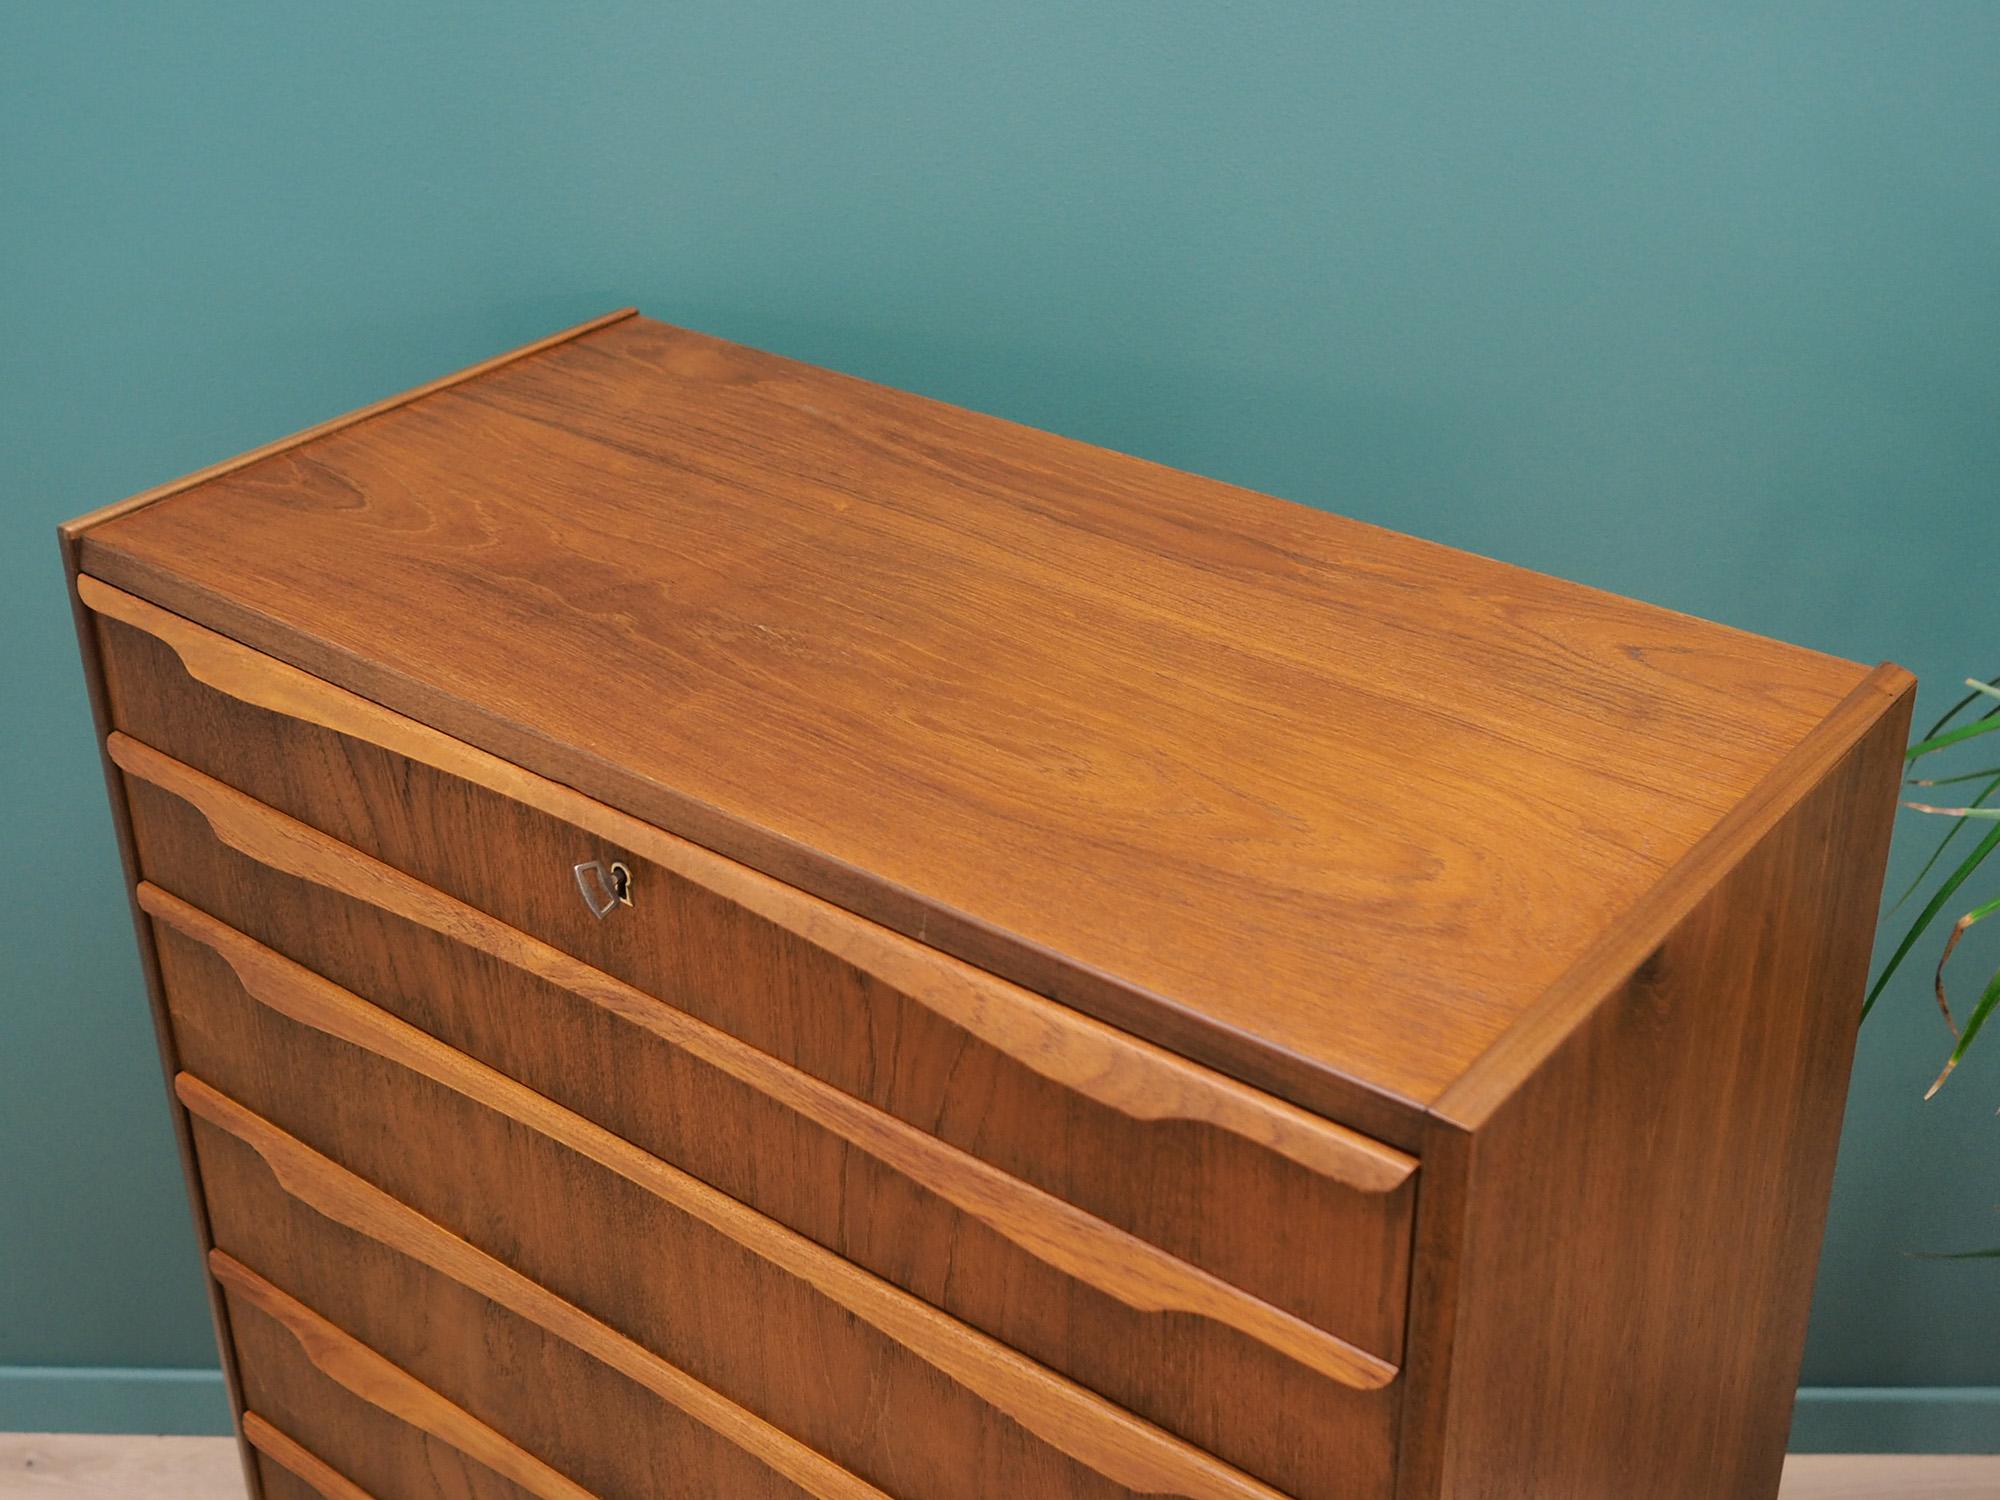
1696	302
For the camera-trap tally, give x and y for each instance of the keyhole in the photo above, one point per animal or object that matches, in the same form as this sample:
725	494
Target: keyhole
621	882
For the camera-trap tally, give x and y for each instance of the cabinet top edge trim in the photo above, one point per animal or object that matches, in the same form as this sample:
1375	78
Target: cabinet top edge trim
70	532
1496	1074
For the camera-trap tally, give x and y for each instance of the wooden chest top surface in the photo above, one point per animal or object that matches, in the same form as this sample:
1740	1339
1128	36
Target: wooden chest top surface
1298	795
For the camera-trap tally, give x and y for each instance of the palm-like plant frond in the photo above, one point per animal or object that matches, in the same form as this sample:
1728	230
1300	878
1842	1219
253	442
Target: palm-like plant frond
1949	732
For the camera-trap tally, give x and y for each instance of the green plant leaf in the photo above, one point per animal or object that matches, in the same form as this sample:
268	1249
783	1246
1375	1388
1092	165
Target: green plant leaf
1944	844
1982	813
1959	929
1952	737
1952	780
1984	689
1956	709
1937	903
1973	1023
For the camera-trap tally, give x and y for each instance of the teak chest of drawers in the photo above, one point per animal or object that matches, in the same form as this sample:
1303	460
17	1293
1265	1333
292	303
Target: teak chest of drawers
719	930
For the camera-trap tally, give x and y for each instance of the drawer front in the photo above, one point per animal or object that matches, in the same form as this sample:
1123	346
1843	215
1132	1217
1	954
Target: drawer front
1308	1216
895	1390
280	1483
594	1406
360	1415
288	1471
918	1410
1231	1374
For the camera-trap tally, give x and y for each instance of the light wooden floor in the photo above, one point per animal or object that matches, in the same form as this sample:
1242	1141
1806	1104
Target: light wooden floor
127	1468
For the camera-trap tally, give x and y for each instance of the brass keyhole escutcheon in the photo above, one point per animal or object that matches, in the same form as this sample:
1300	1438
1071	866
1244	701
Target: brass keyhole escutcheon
602	888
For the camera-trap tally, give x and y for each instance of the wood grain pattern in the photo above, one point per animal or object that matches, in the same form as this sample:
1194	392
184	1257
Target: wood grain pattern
550	1378
1050	1096
1069	898
281	1483
1055	1234
1030	1432
1496	1075
156	1005
381	1428
763	1293
256	715
1643	1215
290	1471
1321	806
1237	1378
70	531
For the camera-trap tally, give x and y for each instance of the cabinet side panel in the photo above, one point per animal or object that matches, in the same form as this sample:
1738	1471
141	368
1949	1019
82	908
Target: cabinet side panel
1643	1216
87	647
